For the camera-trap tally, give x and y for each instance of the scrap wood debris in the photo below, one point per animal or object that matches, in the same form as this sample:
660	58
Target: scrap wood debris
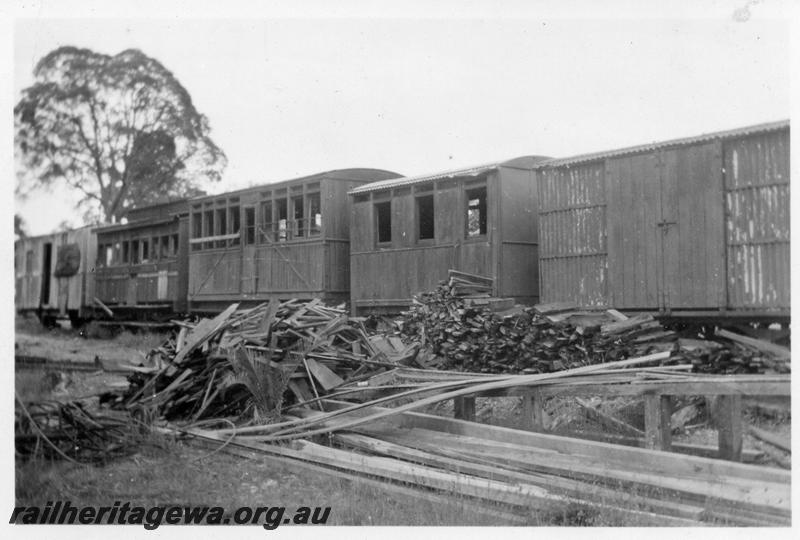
460	327
242	362
520	468
69	430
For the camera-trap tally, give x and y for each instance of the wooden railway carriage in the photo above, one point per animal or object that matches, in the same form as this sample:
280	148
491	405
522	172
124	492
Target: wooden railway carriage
407	232
285	240
141	267
690	227
53	274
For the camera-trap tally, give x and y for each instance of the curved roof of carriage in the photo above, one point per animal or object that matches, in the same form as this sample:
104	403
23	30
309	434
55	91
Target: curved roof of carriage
685	141
523	162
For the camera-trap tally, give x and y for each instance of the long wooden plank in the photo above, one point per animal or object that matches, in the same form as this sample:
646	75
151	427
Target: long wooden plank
440	499
301	428
620	501
736	493
758	344
633	458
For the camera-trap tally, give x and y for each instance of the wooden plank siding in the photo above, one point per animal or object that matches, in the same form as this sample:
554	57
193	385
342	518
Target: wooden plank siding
65	294
693	226
138	281
757	221
277	264
385	276
573	234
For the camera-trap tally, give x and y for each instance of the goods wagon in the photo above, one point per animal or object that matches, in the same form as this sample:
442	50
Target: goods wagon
407	232
53	274
141	267
285	240
690	227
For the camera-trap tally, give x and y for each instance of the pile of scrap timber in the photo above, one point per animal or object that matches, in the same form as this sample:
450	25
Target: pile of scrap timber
459	327
242	362
69	430
522	470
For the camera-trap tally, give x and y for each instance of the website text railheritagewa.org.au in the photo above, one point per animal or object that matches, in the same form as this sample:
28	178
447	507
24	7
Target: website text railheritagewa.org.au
269	517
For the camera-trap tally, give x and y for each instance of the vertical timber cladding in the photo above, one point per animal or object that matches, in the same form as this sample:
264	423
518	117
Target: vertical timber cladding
757	220
665	229
573	234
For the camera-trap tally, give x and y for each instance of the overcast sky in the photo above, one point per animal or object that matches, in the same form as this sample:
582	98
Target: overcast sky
291	97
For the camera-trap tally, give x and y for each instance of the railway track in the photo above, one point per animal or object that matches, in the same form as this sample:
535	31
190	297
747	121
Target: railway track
22	361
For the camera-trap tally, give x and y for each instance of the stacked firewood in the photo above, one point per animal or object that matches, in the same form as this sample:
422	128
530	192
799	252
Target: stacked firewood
464	331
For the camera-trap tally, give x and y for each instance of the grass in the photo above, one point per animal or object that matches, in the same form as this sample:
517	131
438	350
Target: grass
142	341
166	472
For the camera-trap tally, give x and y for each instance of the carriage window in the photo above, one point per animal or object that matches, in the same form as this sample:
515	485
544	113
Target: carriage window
174	251
208	227
197	228
425	217
383	221
29	261
145	250
222	226
297	205
109	255
314	214
235	224
164	250
101	251
135	252
250	225
476	212
282	218
125	252
266	222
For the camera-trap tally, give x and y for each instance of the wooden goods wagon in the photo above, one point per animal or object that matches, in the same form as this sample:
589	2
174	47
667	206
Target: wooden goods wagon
689	227
284	240
141	267
53	274
407	232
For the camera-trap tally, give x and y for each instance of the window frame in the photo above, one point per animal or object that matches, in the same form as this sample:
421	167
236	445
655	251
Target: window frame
383	203
418	197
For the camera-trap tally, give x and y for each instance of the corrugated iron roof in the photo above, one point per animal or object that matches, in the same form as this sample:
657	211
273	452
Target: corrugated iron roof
729	134
475	170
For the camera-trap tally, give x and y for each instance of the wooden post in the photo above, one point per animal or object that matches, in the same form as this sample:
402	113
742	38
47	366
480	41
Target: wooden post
729	426
657	413
464	408
533	411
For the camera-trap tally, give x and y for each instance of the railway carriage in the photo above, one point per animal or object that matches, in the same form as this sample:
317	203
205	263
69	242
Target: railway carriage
141	267
53	274
284	240
407	232
692	228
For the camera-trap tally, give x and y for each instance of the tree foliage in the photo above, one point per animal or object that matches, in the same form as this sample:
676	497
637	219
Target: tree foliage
120	129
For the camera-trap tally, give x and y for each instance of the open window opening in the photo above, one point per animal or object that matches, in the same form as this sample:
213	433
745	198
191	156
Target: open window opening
383	221
266	222
282	211
476	212
222	226
235	225
250	225
298	216
425	217
145	250
208	228
314	214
